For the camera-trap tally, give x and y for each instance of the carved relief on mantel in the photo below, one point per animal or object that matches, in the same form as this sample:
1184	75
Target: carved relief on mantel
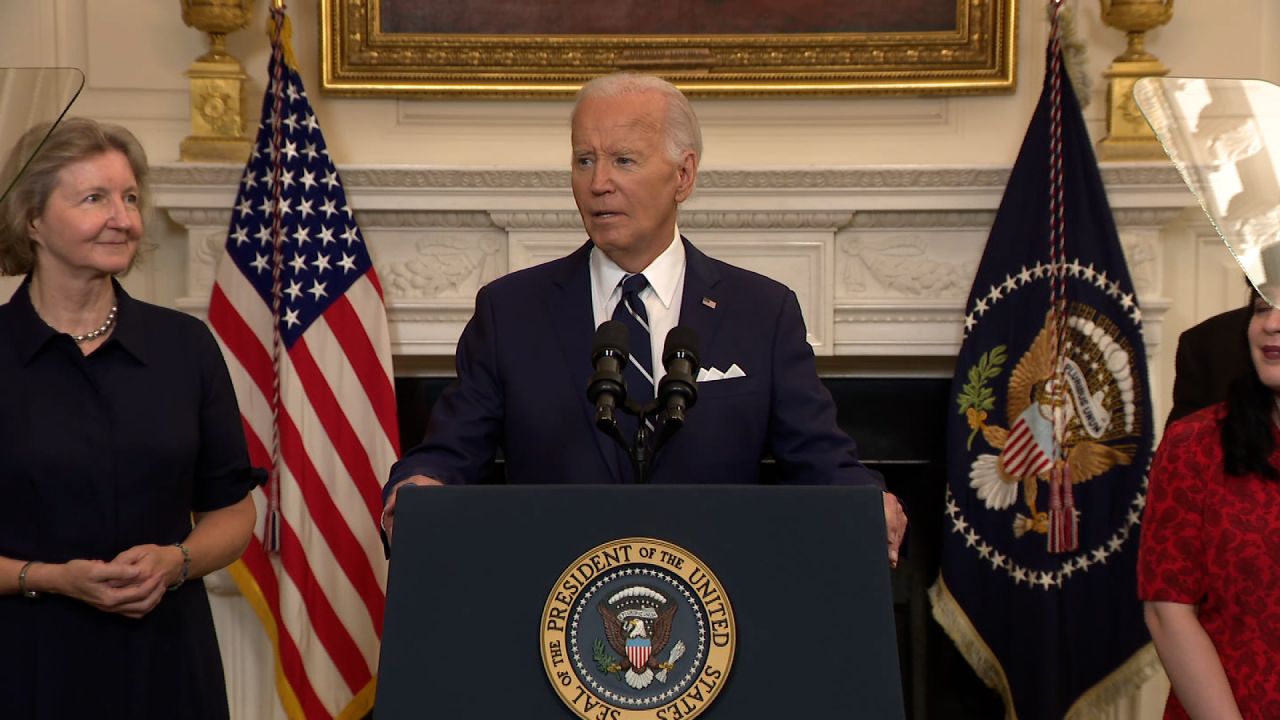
206	235
907	265
424	256
881	259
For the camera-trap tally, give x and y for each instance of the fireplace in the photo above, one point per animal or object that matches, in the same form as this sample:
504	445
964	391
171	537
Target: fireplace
899	424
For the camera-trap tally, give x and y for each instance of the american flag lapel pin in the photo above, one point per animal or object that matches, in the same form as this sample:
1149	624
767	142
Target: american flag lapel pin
709	302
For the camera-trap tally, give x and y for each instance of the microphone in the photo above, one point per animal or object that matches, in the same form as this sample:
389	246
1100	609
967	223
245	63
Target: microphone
677	391
609	357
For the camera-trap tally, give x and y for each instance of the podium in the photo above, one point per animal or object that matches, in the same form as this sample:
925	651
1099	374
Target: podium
472	605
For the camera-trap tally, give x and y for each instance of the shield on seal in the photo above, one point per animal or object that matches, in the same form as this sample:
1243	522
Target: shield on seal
638	651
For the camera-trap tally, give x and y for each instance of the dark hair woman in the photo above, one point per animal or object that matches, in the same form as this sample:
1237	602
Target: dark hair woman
1209	564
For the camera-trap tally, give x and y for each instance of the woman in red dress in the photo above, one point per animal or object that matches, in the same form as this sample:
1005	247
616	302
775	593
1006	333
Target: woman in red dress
1209	564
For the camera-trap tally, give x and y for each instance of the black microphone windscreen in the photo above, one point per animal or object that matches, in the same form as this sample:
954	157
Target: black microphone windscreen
680	339
612	335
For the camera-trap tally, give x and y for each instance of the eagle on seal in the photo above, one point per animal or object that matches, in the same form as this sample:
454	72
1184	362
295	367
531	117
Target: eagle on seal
637	623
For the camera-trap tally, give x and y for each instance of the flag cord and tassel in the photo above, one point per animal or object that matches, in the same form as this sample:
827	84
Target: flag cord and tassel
279	39
1063	524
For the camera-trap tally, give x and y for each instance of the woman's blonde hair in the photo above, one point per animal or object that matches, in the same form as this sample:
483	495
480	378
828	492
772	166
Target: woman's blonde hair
72	140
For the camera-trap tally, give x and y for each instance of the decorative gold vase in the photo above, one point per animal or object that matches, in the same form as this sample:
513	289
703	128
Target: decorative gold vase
1128	135
217	85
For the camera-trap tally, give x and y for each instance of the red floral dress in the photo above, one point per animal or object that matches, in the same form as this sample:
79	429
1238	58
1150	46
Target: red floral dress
1214	541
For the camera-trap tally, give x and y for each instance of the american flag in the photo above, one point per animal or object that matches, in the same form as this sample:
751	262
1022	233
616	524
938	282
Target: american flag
299	312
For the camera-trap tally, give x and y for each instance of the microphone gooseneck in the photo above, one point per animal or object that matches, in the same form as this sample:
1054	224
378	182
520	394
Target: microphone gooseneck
608	356
677	391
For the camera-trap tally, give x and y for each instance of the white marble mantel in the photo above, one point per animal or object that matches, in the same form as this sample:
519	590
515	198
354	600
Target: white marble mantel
881	257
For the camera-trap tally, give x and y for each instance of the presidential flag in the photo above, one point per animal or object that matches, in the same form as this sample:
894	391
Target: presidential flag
1049	439
300	315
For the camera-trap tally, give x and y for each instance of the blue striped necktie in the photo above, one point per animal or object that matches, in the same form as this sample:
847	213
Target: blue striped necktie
639	373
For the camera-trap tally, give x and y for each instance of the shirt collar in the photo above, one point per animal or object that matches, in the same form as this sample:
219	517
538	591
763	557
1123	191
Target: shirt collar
664	273
129	332
32	334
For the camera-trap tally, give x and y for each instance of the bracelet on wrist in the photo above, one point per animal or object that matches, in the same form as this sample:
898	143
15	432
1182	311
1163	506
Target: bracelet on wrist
186	567
22	581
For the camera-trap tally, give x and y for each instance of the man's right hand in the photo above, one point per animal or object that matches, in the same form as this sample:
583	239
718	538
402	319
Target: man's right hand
389	512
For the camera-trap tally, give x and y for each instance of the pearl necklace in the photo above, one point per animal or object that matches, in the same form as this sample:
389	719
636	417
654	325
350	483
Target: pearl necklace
103	329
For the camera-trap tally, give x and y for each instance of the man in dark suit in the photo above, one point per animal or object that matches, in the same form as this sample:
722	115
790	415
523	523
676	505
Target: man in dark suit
1210	355
525	359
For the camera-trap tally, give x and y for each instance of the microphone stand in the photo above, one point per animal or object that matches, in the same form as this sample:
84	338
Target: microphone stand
667	421
675	393
638	452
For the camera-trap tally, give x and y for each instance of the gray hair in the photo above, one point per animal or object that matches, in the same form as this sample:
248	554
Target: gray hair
681	127
72	140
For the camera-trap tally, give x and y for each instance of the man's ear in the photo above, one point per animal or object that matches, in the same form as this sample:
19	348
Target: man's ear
686	175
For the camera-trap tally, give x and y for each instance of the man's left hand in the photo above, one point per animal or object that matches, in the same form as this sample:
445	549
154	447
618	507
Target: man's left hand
895	521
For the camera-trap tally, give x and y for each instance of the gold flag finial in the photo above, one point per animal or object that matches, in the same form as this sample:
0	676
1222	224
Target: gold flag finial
286	34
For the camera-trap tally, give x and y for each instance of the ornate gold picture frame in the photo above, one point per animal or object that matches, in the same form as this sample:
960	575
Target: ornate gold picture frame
547	49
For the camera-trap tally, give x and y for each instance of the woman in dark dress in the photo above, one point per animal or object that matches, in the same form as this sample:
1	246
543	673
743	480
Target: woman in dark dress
123	470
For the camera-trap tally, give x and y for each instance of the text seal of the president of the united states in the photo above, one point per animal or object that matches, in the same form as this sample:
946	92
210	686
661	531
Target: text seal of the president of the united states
637	629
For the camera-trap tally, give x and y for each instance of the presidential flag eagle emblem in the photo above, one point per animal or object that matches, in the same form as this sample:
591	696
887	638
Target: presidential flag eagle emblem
1089	391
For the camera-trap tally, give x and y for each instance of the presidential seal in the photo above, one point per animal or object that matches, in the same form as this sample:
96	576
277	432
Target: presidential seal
637	629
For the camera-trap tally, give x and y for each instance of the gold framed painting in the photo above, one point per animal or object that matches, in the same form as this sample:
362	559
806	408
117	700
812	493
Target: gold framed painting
548	48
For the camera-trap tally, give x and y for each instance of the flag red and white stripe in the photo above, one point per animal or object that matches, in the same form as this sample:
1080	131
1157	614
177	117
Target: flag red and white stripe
1022	454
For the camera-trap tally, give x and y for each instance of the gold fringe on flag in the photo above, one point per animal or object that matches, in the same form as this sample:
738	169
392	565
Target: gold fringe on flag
1123	683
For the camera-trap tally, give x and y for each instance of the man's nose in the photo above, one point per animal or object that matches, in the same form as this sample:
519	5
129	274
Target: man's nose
601	179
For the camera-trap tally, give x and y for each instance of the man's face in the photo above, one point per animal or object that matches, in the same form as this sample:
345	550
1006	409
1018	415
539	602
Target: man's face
626	186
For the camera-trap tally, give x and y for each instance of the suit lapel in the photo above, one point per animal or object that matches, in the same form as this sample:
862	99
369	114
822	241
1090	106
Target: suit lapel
574	323
700	305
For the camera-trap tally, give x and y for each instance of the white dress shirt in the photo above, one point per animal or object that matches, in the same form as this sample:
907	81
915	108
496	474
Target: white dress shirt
661	298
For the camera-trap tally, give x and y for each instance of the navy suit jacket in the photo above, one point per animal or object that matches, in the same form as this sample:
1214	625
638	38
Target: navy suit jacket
524	362
1210	356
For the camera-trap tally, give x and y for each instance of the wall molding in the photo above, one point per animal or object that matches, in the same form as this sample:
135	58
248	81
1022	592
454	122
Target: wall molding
881	258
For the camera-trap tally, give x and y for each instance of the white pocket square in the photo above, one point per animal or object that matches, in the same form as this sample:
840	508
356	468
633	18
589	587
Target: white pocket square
711	374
